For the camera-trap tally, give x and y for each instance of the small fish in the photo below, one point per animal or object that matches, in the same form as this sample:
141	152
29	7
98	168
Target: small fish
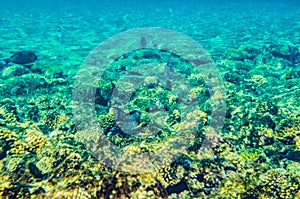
143	42
22	58
168	70
59	32
294	53
135	116
128	122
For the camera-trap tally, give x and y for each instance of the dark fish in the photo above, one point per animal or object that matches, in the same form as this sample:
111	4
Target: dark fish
59	33
22	58
128	122
143	42
135	115
168	70
294	53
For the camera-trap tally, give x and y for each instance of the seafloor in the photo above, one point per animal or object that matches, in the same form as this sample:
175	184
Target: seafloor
256	154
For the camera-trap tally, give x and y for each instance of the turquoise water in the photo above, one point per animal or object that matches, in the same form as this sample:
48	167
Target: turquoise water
152	99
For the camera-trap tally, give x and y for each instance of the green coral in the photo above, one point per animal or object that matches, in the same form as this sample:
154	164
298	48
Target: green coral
250	154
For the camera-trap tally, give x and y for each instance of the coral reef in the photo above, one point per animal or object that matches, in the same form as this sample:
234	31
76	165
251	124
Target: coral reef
255	156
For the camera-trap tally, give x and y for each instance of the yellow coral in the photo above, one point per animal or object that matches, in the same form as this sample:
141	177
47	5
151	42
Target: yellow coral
13	164
194	92
218	93
132	149
250	154
60	120
151	81
293	131
196	78
11	137
176	114
35	140
172	99
297	140
259	80
107	121
45	164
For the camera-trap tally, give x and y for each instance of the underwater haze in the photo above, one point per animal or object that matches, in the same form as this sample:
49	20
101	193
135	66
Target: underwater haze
150	99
